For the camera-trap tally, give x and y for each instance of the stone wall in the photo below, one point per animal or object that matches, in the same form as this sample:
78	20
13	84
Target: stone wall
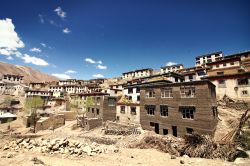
69	115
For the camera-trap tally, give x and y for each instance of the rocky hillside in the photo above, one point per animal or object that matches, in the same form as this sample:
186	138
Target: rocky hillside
30	75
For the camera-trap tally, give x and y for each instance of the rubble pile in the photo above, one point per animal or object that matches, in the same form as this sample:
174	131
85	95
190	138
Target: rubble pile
204	146
60	146
194	145
232	103
112	128
167	144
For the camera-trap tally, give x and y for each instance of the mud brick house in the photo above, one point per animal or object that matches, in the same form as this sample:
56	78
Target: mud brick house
137	73
14	79
178	108
100	107
39	86
208	58
128	107
231	75
172	68
68	82
193	73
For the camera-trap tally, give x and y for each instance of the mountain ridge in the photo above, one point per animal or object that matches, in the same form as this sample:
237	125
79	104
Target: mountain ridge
30	74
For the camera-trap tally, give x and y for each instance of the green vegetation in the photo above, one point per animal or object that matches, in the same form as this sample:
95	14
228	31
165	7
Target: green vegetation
31	106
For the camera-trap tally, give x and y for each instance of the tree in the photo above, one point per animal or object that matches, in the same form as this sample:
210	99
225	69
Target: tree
31	106
80	114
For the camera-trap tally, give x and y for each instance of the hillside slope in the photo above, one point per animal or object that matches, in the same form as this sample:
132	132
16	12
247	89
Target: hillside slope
30	75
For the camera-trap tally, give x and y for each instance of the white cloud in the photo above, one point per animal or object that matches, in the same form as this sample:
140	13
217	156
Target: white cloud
66	30
70	72
170	63
102	67
61	76
9	58
89	60
98	76
35	49
34	60
60	12
9	39
41	18
43	44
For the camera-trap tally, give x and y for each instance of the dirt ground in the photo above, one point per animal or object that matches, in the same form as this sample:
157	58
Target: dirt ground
148	157
125	156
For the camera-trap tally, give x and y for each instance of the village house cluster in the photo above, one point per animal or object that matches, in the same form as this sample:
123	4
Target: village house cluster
172	100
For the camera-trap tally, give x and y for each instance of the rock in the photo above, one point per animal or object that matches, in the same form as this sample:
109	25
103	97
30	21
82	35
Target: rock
55	147
37	161
173	157
239	161
27	140
86	149
112	148
182	161
19	141
6	147
9	155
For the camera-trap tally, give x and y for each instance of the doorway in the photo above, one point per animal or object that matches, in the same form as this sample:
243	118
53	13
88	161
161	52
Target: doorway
174	129
157	128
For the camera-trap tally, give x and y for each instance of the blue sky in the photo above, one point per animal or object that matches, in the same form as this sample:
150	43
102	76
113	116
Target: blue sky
123	34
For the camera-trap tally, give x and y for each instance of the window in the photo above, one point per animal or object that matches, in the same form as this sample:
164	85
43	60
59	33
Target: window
187	92
122	109
98	100
222	84
176	79
97	111
138	98
150	109
166	93
190	130
201	73
111	102
130	98
88	109
137	90
133	110
243	81
215	112
165	131
220	73
190	77
217	66
152	124
164	110
130	90
232	63
187	112
244	93
150	94
224	64
93	110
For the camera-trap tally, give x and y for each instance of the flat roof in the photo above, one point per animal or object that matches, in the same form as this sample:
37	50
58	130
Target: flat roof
225	59
171	66
165	82
213	53
13	75
228	75
138	70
